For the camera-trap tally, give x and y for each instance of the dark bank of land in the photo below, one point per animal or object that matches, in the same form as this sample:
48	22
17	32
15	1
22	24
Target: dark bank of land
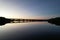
55	21
4	20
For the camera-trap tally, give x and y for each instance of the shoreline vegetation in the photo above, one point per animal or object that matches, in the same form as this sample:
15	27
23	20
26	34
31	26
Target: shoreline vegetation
4	20
55	21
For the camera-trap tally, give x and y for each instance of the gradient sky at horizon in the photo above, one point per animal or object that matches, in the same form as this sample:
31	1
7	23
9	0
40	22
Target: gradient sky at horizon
30	8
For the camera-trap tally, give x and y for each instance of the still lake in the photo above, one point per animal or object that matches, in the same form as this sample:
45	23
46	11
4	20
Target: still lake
31	30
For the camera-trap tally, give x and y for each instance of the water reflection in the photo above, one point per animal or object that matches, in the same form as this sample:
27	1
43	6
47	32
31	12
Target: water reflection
33	30
1	24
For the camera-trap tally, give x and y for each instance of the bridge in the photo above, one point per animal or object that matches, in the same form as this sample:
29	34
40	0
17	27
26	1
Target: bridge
4	20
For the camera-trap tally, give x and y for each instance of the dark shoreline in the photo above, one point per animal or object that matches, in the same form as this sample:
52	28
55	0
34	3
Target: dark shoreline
4	20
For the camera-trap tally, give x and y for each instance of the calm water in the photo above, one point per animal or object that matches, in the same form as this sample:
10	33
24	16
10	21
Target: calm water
32	30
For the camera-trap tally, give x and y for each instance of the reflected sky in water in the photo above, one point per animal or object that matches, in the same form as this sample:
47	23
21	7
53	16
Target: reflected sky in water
26	30
19	25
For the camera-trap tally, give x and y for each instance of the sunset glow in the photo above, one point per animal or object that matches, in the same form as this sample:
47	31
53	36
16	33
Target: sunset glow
27	9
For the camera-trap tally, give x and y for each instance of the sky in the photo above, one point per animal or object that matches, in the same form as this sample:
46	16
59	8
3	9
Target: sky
40	9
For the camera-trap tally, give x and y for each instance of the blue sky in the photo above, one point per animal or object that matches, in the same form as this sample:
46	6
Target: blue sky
30	8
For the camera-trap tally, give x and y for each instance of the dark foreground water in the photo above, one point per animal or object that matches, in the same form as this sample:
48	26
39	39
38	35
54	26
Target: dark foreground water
29	31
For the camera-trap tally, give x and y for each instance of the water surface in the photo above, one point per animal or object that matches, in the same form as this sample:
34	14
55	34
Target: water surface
32	30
